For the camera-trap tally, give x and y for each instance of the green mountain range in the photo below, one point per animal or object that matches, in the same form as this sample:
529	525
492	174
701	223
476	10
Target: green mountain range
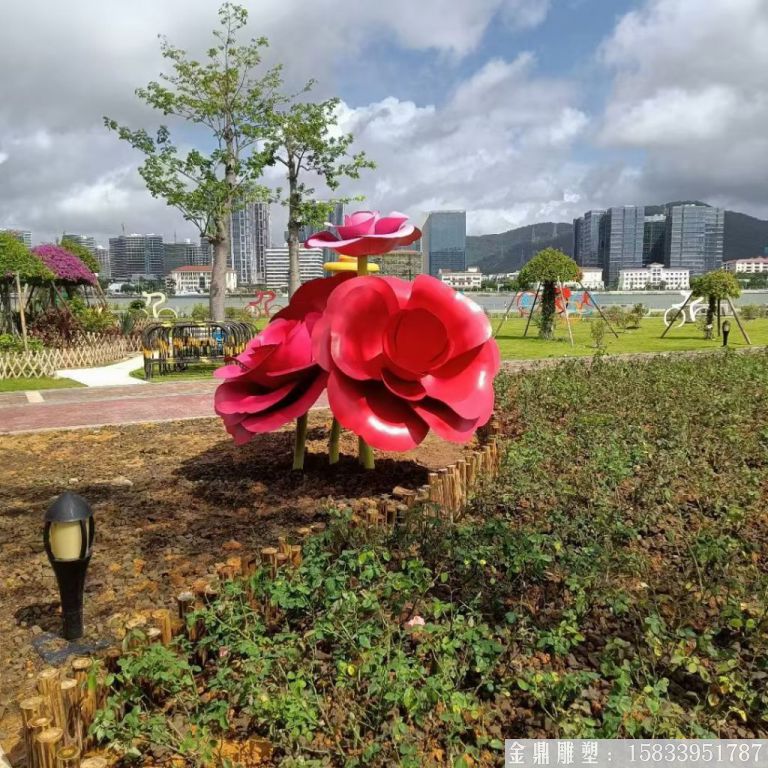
745	237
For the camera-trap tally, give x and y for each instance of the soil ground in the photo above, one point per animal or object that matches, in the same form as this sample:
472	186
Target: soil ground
170	500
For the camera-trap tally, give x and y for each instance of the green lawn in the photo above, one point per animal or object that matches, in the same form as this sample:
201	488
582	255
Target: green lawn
646	338
24	385
194	373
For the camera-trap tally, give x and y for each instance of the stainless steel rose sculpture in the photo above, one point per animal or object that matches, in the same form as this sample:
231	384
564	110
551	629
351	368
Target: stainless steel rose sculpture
398	358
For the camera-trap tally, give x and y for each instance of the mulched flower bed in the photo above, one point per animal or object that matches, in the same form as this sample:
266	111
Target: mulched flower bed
170	500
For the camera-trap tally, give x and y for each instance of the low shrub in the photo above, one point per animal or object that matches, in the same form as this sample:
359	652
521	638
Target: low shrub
11	343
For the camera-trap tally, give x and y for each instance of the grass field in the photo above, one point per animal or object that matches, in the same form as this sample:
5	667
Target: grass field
646	338
24	385
194	373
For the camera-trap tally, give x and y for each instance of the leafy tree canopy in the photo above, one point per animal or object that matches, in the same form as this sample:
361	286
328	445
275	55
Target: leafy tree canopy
82	253
16	257
718	284
549	266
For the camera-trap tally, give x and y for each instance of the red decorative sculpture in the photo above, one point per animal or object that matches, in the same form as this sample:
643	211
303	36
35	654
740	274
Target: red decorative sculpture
398	358
405	358
276	379
255	307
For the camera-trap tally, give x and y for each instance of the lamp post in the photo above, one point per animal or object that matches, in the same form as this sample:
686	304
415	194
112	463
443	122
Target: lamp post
68	537
726	331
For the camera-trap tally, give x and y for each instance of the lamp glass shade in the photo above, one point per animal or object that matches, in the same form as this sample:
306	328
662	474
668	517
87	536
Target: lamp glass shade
66	540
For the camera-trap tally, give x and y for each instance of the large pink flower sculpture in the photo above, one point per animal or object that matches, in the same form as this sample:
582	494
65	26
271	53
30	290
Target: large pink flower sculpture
404	358
276	378
367	233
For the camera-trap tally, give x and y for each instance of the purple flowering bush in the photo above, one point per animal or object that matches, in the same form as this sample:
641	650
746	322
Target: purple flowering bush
66	267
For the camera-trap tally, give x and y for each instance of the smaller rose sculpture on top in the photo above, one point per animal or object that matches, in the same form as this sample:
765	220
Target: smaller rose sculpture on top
367	233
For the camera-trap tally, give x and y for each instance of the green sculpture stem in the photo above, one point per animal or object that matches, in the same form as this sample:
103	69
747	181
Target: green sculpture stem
333	442
301	439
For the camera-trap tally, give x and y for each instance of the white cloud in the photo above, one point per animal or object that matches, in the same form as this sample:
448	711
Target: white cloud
498	147
689	89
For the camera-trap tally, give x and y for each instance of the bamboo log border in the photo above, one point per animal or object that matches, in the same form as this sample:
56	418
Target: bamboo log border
56	722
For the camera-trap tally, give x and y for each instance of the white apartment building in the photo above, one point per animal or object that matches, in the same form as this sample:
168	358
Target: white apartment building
276	263
468	280
592	278
755	266
654	276
196	279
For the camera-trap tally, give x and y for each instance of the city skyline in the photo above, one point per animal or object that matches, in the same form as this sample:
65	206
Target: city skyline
518	111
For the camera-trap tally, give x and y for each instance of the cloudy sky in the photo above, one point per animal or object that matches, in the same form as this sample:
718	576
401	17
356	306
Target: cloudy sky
516	110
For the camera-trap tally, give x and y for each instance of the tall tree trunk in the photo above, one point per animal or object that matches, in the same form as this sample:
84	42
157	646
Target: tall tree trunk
218	290
294	201
547	328
711	309
221	248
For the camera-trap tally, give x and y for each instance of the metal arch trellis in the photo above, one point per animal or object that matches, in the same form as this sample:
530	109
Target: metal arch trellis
170	346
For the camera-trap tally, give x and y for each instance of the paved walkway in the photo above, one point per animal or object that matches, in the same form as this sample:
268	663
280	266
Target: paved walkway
113	375
104	406
101	406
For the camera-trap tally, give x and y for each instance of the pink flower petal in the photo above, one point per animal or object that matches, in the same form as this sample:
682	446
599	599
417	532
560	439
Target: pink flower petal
416	340
464	321
383	420
408	390
358	313
466	382
445	422
244	398
389	224
297	403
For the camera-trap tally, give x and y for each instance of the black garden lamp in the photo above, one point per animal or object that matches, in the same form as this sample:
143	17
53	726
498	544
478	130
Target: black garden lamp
68	538
726	330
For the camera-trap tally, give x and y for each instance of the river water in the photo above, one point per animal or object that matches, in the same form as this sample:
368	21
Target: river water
493	302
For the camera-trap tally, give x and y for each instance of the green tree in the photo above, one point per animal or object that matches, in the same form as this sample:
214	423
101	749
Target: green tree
549	267
717	286
17	259
228	97
304	138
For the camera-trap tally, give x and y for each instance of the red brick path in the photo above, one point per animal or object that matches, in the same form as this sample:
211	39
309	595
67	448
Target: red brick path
102	406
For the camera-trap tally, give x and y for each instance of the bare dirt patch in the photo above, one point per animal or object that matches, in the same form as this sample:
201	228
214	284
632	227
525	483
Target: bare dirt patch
170	500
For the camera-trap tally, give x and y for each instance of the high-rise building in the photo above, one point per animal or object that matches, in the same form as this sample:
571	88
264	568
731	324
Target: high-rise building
622	230
654	239
22	235
695	236
136	255
400	262
85	240
249	239
102	256
586	239
186	254
277	266
444	242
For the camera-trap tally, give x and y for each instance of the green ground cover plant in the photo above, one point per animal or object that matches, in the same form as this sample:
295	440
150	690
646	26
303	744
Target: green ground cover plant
613	582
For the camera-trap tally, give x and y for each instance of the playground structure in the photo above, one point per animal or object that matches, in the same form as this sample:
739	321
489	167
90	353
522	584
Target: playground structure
172	346
525	303
152	305
261	306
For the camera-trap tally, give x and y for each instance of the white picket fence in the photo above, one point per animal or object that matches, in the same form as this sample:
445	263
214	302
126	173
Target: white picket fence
93	351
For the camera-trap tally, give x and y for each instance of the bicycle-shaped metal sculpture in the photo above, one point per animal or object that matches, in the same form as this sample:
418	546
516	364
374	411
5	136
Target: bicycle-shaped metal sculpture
684	312
152	306
261	306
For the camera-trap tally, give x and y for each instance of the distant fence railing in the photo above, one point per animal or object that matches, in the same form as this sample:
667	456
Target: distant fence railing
94	350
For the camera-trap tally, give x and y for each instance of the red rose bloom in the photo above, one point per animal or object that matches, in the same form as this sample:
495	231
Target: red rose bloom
276	378
404	358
